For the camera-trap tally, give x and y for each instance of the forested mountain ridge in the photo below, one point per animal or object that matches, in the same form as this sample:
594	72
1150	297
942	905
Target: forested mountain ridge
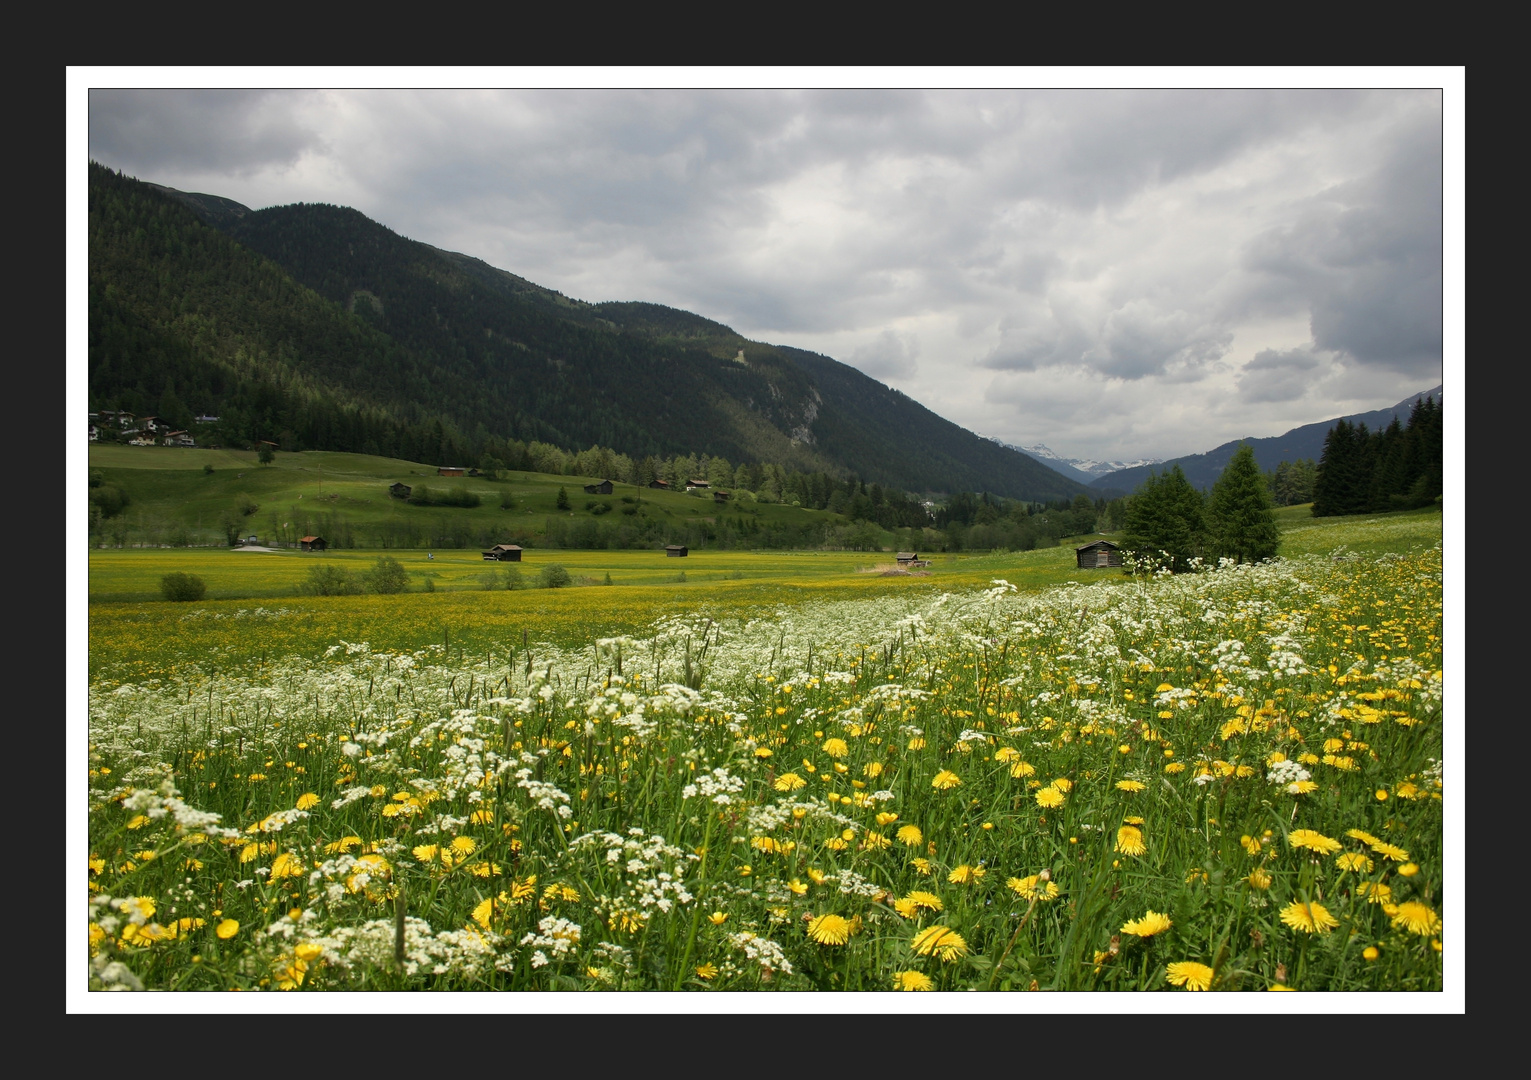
1305	442
314	325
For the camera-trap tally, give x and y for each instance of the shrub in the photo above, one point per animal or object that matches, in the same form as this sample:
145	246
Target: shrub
109	498
388	576
512	577
182	587
207	469
554	577
563	499
327	579
246	505
489	581
507	501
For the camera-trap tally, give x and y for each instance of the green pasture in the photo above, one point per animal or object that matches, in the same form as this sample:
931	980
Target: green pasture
307	492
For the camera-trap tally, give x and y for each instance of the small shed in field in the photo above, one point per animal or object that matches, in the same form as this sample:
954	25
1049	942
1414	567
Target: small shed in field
1098	555
721	496
449	470
503	553
601	488
312	543
399	491
675	551
663	485
693	485
908	559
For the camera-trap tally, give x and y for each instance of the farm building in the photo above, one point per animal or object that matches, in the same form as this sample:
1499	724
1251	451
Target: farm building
449	470
908	559
312	543
1100	554
693	485
722	496
399	491
602	488
675	551
503	553
663	485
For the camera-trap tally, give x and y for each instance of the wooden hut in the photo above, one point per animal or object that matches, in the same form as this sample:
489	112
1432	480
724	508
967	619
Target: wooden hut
675	551
399	491
909	560
602	488
663	485
449	470
695	485
1098	555
312	543
503	553
721	496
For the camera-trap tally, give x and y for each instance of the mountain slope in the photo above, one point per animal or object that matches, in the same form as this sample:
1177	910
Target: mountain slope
1202	470
441	334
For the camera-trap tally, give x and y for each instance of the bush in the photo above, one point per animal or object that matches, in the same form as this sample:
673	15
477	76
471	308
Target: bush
329	580
554	577
513	578
388	576
246	505
207	470
507	501
489	581
109	498
182	587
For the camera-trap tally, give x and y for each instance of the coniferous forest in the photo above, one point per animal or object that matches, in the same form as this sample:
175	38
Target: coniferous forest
1398	467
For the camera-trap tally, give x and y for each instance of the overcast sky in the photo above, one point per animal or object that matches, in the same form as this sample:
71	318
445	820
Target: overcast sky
1114	273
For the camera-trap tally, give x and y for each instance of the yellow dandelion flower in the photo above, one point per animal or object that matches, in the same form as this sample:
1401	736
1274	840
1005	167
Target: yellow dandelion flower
1020	769
1417	918
829	929
1364	837
917	743
1314	841
872	769
1375	892
910	835
1391	851
464	845
307	800
945	779
426	852
1259	879
1063	784
1301	787
966	875
789	782
1130	785
927	900
1354	860
921	865
1409	869
286	865
912	980
1129	840
1032	887
707	971
875	841
1250	845
1309	918
1153	922
836	748
906	907
1049	797
940	941
1191	975
482	817
227	929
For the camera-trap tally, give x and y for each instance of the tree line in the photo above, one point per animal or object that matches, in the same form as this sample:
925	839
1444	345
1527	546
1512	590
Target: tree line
1399	467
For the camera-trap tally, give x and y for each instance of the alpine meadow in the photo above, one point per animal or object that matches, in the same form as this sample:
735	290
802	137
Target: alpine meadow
444	632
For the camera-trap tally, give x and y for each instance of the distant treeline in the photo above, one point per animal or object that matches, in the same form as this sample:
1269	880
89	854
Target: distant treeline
1398	467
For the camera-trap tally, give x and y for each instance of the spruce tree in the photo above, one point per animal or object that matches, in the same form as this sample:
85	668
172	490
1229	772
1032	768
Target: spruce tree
1239	517
1165	515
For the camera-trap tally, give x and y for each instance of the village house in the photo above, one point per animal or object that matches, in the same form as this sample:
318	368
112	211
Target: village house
503	553
693	485
179	438
312	543
602	488
1098	555
141	438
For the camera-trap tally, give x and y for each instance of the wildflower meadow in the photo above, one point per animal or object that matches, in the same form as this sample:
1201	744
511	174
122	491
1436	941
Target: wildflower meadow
1231	779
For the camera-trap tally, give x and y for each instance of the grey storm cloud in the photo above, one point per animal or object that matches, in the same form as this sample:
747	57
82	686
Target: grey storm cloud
1191	244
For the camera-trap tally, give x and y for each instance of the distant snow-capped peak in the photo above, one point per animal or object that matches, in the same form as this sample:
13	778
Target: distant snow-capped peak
1084	465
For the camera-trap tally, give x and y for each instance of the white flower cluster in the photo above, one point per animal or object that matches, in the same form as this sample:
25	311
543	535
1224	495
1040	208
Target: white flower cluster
546	796
465	952
1286	773
762	951
554	935
718	785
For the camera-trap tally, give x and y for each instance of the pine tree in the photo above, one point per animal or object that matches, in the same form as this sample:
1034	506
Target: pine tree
1239	516
1337	469
1166	515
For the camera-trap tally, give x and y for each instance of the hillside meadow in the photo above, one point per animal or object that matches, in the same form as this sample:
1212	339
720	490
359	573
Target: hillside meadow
997	777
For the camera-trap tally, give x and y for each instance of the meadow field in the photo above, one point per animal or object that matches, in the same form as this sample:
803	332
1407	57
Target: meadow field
786	772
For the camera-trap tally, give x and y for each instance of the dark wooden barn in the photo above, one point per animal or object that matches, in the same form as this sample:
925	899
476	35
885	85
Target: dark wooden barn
503	553
603	488
399	491
1098	555
675	551
312	543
